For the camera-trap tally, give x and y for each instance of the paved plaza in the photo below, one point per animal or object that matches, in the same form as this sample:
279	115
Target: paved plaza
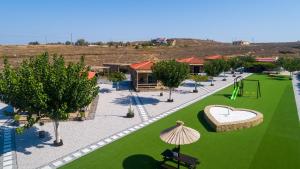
109	124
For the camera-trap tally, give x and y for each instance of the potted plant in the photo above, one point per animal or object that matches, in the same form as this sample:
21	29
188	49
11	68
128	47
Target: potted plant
82	115
130	113
42	133
17	119
161	92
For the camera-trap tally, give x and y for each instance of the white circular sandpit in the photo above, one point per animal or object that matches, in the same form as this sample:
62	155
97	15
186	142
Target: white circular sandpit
225	118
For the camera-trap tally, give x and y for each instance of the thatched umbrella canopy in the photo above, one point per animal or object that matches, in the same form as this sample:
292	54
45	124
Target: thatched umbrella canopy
179	135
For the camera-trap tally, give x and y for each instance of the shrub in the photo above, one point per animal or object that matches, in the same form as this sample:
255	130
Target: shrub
130	113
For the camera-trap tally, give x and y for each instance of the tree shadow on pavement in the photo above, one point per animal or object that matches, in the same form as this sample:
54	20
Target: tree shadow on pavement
30	139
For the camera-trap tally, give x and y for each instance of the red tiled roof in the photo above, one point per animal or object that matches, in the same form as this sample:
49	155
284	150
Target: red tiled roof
146	65
91	74
191	60
213	57
266	59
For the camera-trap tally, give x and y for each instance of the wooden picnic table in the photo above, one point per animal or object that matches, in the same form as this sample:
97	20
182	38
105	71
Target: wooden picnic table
184	160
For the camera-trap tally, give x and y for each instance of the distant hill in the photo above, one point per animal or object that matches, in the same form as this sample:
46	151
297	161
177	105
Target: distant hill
97	55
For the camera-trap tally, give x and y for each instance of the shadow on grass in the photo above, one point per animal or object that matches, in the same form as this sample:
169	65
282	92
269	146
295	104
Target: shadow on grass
228	96
202	120
278	78
140	161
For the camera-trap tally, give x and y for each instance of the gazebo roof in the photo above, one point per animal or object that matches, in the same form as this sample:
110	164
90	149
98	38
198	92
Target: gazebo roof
266	59
191	60
145	65
91	74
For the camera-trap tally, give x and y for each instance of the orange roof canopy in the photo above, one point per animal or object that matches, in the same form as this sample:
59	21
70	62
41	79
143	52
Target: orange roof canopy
91	74
214	57
191	60
146	65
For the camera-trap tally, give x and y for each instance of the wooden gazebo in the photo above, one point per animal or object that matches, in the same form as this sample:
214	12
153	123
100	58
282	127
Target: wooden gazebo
141	76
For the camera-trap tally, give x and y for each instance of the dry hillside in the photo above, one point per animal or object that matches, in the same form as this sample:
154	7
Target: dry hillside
97	55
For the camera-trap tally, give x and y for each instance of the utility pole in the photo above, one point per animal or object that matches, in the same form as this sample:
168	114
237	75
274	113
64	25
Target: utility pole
46	40
71	39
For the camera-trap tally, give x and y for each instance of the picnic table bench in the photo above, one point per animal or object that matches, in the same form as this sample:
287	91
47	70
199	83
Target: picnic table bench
184	160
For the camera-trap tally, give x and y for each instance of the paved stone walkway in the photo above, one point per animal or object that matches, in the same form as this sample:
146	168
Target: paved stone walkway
296	87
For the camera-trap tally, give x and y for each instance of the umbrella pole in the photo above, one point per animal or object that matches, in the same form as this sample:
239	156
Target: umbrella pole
178	165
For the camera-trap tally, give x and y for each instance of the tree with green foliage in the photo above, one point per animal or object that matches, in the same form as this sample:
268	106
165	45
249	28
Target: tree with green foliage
290	64
171	74
34	43
224	66
197	79
234	63
246	61
44	87
68	43
81	42
212	69
116	77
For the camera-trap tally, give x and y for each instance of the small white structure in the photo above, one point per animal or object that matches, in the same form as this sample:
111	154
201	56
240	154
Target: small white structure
240	43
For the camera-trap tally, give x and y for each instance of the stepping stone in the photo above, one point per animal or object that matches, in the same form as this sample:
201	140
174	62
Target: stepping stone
136	127
7	158
93	147
6	143
131	129
5	163
57	163
68	158
114	137
8	167
126	131
141	125
120	134
7	139
78	154
101	143
46	167
7	154
7	150
108	140
8	146
85	150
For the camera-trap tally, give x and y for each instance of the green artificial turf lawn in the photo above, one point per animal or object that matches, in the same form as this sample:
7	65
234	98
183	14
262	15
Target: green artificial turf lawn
274	144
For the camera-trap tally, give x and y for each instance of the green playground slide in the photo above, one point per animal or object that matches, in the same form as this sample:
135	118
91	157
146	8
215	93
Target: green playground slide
234	93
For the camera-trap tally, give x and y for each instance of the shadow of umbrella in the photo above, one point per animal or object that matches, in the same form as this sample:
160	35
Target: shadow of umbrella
140	161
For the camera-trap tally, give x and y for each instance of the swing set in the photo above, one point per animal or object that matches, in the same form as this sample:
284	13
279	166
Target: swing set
239	86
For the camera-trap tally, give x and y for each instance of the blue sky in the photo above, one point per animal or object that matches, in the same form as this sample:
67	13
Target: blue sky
126	20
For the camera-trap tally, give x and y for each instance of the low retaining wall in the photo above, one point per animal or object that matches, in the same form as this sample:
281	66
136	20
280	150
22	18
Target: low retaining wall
230	126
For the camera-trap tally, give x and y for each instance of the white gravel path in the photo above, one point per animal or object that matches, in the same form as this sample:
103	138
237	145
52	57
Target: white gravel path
296	87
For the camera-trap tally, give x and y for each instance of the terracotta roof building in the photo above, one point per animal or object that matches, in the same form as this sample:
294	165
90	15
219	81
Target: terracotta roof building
266	59
196	64
213	57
